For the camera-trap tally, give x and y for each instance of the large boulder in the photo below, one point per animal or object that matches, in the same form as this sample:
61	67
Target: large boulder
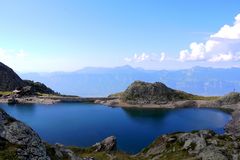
108	144
27	142
60	152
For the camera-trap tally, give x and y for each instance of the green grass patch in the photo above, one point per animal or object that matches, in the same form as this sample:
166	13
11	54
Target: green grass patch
5	93
7	150
187	96
89	152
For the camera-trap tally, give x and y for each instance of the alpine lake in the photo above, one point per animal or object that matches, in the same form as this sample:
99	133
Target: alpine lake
83	124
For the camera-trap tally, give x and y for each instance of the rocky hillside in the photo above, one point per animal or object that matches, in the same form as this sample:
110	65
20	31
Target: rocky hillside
152	93
38	87
10	81
229	99
204	145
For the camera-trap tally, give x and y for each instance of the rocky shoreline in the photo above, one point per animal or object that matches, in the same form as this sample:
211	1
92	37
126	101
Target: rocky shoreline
29	100
50	99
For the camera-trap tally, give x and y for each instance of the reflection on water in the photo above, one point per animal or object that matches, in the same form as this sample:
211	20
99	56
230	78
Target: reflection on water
86	124
148	114
21	109
24	108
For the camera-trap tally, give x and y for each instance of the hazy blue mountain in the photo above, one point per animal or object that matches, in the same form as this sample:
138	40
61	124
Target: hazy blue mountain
104	81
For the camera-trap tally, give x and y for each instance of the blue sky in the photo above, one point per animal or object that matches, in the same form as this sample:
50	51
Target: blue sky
59	35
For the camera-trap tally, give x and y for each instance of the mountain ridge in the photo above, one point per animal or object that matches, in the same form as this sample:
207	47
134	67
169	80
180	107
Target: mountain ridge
198	80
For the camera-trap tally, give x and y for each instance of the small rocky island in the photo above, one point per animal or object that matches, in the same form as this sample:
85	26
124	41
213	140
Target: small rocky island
19	142
157	95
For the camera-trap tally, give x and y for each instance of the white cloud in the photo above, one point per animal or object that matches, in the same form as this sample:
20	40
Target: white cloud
224	57
146	57
221	46
162	56
197	52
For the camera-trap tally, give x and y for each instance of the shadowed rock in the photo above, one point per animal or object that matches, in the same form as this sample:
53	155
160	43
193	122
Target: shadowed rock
9	80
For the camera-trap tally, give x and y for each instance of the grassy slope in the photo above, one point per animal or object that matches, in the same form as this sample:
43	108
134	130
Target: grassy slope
187	96
183	95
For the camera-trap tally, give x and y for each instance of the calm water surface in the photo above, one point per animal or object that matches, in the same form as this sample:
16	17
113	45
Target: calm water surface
86	124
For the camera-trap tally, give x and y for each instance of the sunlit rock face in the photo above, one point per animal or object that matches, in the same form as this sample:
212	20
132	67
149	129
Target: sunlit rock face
141	92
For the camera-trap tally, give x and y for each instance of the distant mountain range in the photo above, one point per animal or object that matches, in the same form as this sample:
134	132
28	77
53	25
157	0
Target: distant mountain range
104	81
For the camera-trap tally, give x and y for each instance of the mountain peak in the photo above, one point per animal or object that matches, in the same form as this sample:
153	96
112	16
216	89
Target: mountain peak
140	92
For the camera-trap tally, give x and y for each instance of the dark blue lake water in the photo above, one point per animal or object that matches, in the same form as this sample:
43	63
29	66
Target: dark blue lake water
85	124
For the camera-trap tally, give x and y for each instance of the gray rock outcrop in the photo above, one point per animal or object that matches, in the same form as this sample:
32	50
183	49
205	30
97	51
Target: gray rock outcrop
60	152
229	99
108	144
29	145
151	93
233	127
203	144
